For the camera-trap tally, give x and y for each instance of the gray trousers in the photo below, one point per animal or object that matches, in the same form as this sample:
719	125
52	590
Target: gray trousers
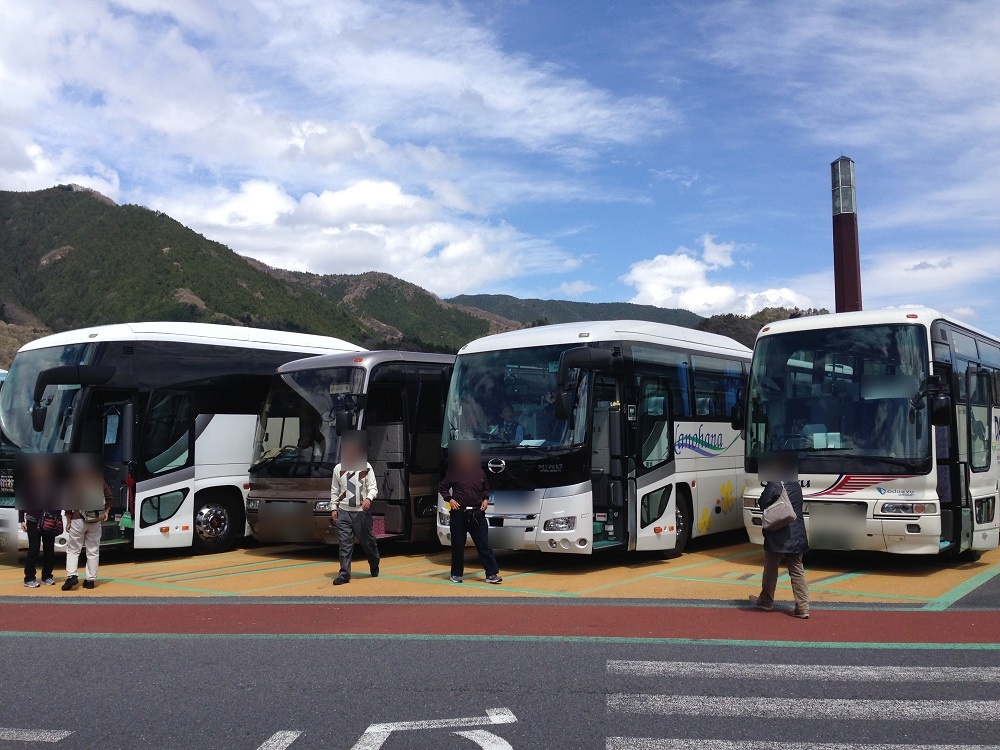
356	523
800	589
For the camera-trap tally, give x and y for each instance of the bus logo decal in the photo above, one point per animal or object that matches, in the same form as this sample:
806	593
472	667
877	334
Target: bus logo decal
496	465
847	484
703	443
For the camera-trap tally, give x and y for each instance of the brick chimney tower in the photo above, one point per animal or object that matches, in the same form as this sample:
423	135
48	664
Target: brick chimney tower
846	256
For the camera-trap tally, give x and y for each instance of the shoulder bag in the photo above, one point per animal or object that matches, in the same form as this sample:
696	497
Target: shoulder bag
780	513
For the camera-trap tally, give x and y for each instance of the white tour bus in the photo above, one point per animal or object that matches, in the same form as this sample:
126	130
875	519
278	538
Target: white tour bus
170	407
893	417
613	434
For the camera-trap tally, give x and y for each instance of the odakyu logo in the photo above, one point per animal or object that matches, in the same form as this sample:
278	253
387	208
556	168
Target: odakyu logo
898	493
702	442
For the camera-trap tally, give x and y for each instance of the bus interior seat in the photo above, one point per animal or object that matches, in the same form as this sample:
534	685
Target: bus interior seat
705	407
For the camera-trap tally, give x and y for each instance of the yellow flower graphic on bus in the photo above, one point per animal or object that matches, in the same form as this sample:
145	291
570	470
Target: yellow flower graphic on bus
728	498
705	522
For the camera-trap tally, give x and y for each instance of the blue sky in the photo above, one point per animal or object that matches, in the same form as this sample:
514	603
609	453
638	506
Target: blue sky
668	153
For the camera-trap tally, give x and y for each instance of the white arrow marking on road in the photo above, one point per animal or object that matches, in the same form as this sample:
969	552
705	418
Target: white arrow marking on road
376	735
280	740
802	672
811	708
486	740
646	743
33	735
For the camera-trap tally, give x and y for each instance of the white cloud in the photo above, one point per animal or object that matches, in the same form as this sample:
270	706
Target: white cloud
576	288
681	279
324	136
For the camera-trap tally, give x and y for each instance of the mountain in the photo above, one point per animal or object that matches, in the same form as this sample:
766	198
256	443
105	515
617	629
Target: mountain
565	311
71	258
399	311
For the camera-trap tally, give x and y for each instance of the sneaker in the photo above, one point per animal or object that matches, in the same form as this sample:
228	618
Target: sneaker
494	579
50	581
32	584
89	584
374	569
456	579
755	601
69	583
341	580
800	615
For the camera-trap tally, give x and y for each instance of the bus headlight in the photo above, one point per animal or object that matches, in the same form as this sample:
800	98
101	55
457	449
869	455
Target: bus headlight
253	504
565	523
444	519
324	505
749	502
908	509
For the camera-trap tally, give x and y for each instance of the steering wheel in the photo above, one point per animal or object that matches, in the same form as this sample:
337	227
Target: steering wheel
792	441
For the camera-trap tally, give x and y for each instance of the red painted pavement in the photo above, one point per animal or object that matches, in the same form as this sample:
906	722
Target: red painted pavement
505	619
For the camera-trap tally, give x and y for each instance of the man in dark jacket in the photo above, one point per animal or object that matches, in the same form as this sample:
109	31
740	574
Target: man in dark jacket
788	544
465	490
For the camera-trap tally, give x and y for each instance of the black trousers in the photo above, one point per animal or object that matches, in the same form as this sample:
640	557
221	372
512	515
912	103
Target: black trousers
479	530
356	523
39	541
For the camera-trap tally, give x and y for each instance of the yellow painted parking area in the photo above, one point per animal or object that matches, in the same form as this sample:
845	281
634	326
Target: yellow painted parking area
714	570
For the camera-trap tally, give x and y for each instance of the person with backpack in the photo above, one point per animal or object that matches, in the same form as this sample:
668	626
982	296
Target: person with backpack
785	541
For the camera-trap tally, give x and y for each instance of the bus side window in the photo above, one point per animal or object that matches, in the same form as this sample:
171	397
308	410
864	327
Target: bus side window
167	432
655	436
716	383
979	420
427	427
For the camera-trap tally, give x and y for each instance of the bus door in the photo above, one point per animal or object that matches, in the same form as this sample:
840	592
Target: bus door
385	424
107	430
425	453
608	469
164	492
659	510
983	470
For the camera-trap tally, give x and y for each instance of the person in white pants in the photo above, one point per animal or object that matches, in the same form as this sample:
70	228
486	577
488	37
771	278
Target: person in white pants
85	533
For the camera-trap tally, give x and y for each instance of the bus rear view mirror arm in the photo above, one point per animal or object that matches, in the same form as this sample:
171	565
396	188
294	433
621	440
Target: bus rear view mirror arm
580	358
65	375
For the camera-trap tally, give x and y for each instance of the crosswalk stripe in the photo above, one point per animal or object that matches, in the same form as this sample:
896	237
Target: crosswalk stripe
811	708
718	670
646	743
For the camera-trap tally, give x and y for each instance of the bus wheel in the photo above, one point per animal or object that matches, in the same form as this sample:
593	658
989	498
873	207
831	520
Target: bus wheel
970	555
682	522
215	523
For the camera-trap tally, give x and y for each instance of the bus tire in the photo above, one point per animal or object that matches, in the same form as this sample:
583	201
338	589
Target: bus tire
682	522
218	520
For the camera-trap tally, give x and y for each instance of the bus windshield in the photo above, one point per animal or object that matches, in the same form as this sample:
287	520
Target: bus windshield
847	400
18	390
505	399
296	435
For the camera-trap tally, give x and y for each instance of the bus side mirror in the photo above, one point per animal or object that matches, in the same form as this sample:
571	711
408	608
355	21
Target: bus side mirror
565	401
940	410
38	414
737	417
344	420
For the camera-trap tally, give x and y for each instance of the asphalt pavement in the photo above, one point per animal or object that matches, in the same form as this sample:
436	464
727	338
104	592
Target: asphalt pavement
361	693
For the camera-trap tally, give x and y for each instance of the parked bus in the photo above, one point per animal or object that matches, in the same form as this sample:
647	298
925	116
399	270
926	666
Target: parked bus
397	398
602	435
893	415
170	407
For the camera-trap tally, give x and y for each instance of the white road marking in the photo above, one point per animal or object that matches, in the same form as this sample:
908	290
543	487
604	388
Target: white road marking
33	735
799	708
646	743
280	740
376	734
486	740
802	672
